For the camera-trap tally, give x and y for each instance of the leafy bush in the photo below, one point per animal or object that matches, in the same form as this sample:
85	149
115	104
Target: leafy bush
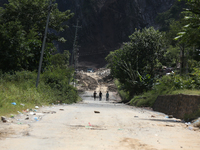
19	76
173	84
138	56
122	93
59	80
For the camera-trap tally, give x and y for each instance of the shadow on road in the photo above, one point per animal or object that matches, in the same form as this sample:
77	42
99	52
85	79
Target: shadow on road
164	120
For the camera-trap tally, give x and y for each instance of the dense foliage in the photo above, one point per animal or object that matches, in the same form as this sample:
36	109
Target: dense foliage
173	84
22	25
60	60
182	36
133	64
54	88
174	13
191	29
182	55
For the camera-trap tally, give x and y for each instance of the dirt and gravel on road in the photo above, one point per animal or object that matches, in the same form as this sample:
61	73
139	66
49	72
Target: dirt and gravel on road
100	125
99	81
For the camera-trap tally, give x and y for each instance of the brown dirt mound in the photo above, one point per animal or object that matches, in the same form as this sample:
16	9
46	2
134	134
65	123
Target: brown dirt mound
86	82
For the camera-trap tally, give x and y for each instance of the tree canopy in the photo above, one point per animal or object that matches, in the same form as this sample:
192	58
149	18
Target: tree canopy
22	25
136	60
191	28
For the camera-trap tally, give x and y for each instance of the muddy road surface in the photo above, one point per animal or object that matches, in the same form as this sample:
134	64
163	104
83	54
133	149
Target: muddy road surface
114	126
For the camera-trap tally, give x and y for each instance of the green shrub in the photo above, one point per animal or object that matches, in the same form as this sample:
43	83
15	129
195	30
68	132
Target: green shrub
19	76
125	96
173	84
20	88
58	80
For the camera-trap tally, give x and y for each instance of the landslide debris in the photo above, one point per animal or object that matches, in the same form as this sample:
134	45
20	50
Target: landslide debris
91	81
86	82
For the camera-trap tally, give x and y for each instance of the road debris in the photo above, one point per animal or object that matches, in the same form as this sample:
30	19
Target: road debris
22	104
3	119
88	127
39	114
32	113
27	118
196	123
49	112
96	111
13	103
170	116
36	119
53	112
170	125
120	129
188	123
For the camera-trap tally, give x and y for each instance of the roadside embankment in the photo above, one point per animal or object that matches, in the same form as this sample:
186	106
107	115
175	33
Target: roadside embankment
181	106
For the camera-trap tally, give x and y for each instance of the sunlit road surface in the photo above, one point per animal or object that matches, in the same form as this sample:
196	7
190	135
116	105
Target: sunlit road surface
114	126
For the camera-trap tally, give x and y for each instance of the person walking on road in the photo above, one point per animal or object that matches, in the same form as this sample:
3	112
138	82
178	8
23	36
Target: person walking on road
95	95
100	95
107	96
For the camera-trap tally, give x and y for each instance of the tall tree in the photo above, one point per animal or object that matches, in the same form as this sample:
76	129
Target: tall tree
191	27
164	19
138	58
22	24
175	28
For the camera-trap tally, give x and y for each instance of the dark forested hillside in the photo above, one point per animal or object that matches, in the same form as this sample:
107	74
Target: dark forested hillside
106	24
3	2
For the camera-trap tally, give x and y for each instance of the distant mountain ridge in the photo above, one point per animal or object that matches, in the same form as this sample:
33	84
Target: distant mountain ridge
106	24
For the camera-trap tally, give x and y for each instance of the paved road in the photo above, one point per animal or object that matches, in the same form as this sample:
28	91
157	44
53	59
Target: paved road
116	127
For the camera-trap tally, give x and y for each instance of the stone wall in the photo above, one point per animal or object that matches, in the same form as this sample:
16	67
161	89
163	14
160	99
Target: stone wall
177	105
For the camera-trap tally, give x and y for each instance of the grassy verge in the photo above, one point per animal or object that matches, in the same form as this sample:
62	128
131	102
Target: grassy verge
20	88
147	99
123	94
168	85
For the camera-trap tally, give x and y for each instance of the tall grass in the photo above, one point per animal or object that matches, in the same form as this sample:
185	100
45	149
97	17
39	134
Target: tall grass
20	88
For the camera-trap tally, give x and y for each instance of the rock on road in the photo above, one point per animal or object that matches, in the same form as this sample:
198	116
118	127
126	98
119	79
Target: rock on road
116	127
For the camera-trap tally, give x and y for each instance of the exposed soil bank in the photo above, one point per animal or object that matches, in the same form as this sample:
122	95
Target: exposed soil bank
180	106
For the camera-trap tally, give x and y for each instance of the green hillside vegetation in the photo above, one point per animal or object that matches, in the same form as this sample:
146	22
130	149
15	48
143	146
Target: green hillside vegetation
20	88
22	26
140	65
169	85
54	87
174	13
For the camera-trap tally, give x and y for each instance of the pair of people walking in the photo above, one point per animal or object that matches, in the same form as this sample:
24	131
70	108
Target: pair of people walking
100	95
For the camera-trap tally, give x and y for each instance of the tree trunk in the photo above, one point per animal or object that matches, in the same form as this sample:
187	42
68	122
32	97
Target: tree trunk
183	68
